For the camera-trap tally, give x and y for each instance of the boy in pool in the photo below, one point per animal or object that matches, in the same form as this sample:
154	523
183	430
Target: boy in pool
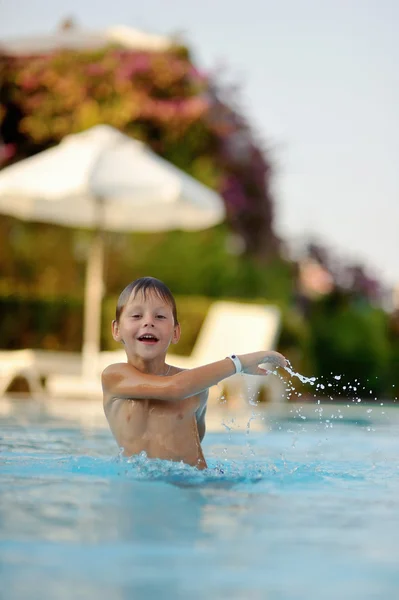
154	407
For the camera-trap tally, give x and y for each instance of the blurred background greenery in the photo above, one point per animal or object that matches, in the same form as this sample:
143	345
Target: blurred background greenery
334	318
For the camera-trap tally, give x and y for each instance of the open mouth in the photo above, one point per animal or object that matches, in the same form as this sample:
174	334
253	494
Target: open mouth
148	338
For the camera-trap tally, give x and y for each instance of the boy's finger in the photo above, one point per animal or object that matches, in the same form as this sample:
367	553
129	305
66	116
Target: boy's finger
263	371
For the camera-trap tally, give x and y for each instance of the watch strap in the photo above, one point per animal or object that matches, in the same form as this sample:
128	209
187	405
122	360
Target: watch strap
236	361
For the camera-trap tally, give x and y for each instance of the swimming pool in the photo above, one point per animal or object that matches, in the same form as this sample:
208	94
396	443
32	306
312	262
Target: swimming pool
296	505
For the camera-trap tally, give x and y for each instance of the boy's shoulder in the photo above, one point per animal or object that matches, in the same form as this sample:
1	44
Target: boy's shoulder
114	368
114	373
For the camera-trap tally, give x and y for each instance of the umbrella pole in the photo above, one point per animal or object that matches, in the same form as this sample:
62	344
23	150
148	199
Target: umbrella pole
92	306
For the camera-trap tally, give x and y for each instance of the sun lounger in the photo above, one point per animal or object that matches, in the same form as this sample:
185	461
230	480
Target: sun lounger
237	328
75	386
35	367
19	364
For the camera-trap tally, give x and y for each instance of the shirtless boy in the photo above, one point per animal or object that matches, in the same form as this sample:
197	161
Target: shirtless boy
154	407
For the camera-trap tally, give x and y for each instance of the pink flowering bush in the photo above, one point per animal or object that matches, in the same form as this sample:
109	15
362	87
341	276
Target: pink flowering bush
160	98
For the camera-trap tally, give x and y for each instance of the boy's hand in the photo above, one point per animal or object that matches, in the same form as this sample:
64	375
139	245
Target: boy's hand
250	362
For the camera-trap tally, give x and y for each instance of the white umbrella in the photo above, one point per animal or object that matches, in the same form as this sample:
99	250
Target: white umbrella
104	180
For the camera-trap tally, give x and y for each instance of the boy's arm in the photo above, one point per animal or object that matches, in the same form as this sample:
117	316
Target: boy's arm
124	381
200	415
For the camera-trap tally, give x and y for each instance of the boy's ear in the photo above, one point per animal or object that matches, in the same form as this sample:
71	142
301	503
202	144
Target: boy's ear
115	331
176	334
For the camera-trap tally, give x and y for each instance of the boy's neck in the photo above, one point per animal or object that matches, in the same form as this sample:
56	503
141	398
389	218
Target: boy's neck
155	366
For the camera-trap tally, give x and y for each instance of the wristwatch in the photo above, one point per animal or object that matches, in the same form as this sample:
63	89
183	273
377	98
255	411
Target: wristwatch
236	361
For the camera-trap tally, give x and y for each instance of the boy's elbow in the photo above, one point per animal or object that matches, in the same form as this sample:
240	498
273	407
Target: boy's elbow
174	390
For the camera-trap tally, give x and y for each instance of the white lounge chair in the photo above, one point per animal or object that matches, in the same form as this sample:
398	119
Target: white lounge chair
35	367
75	386
237	328
15	364
52	373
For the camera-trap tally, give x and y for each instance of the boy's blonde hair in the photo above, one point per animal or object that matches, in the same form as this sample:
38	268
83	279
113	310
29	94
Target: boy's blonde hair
146	285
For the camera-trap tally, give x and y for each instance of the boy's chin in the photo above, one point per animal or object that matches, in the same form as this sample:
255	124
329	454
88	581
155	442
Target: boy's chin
151	349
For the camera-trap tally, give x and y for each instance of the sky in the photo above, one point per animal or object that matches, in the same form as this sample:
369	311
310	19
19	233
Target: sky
320	85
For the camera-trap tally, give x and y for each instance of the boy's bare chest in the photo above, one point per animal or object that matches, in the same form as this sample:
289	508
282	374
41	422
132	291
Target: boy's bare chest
157	410
135	417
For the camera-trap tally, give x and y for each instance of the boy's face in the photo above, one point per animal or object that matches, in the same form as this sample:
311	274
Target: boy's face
146	326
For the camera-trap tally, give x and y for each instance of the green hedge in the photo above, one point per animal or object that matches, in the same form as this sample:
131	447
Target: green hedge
56	324
352	340
47	323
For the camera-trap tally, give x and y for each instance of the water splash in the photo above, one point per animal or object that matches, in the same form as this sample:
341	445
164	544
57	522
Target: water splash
302	378
332	389
139	468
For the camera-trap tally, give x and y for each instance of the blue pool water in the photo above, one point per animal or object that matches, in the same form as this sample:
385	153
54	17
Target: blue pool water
299	505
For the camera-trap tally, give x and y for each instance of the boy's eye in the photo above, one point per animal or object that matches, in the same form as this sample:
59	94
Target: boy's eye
135	316
161	317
